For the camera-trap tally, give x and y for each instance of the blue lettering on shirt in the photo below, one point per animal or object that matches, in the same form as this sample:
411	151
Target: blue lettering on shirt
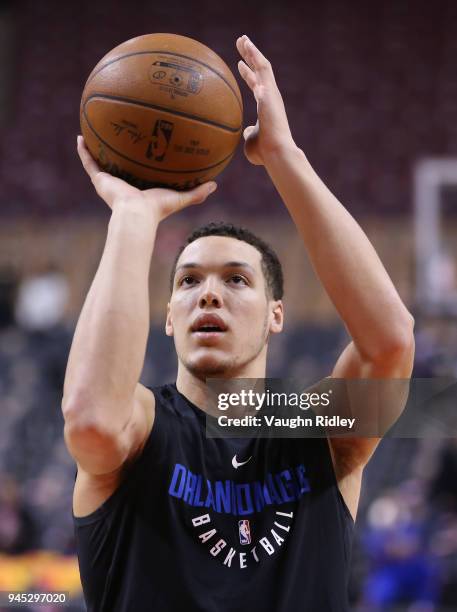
228	497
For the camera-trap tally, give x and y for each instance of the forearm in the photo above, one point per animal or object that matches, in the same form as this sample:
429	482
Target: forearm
342	256
109	344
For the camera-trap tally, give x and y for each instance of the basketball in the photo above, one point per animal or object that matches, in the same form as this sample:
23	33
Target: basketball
162	110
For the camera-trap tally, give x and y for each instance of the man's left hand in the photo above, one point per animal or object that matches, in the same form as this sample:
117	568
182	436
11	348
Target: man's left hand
271	134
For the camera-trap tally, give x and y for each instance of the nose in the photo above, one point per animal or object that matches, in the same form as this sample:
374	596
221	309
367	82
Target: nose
210	296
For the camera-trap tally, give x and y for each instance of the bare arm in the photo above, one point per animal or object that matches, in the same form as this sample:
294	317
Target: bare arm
345	261
107	354
342	256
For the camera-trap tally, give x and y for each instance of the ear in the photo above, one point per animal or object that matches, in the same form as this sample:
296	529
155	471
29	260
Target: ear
168	323
277	320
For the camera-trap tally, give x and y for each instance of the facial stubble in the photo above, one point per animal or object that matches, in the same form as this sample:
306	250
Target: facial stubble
230	368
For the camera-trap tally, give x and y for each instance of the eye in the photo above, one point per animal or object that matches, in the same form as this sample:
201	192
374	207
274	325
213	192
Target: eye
237	279
187	281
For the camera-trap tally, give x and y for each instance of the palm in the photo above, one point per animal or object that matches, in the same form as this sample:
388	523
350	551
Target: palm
160	202
272	127
110	187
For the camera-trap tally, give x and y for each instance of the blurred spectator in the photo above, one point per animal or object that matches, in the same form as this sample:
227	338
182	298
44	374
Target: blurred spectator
403	571
8	289
443	500
443	489
18	531
41	300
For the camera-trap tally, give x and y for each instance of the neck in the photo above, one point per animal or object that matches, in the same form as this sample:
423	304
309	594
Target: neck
194	388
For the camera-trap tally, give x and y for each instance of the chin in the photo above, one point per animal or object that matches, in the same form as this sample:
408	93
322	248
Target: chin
209	366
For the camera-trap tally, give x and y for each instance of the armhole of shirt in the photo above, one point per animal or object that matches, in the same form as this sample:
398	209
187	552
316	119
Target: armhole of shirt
343	503
129	477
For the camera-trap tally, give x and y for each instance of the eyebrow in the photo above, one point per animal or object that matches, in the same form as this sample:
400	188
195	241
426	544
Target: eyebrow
229	264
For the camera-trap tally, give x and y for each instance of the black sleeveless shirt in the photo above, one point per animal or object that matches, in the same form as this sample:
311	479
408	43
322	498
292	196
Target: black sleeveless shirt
218	525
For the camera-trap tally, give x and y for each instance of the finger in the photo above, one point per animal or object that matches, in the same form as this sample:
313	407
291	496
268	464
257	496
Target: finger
256	60
89	163
197	195
243	50
240	44
247	74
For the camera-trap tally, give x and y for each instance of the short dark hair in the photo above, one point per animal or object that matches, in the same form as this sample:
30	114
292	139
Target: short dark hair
271	266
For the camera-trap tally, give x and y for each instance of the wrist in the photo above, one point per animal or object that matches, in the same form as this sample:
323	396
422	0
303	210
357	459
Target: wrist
136	208
286	149
285	154
133	215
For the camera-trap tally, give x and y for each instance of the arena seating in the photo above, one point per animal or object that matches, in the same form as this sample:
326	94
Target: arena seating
368	91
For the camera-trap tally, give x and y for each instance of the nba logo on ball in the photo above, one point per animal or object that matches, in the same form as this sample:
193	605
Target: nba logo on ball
245	532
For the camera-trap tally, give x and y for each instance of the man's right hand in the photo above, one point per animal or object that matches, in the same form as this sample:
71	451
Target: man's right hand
160	202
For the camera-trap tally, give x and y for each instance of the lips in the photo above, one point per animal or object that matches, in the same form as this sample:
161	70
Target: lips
208	323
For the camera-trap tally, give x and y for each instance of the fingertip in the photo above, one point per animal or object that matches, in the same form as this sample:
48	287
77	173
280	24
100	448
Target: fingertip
247	131
212	187
81	144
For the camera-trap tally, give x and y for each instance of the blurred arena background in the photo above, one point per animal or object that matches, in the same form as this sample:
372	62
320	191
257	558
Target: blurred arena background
371	93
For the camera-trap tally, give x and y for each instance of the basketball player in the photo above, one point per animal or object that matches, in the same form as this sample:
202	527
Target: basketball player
166	519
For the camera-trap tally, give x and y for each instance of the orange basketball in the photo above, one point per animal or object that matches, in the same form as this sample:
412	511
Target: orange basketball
162	110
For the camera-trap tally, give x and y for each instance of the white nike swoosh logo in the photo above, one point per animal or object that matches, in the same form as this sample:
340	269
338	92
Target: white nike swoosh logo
236	464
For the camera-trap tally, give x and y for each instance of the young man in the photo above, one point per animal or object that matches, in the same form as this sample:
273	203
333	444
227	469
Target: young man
166	518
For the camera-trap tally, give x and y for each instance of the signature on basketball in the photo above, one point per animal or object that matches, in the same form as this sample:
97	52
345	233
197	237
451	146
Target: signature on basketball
134	134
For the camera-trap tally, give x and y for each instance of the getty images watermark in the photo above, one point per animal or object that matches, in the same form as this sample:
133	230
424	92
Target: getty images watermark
407	408
260	402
